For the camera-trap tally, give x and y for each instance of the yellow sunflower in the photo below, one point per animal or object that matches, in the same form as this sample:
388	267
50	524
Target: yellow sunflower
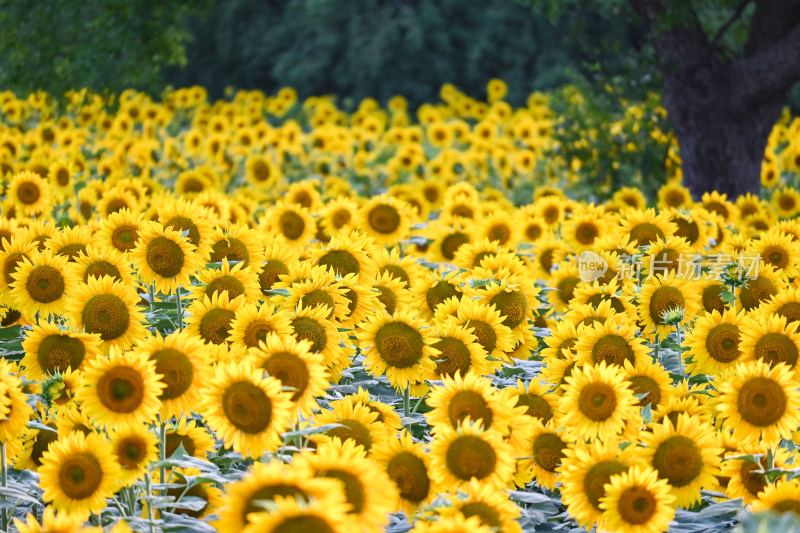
359	424
71	242
30	193
320	288
348	254
637	501
328	513
78	473
339	215
408	465
182	365
121	389
263	483
247	410
770	340
120	230
782	497
293	222
386	219
298	369
759	288
585	472
597	402
391	292
398	346
195	439
164	257
714	341
99	261
237	243
61	522
685	454
471	396
548	447
777	249
458	352
358	474
434	287
613	341
109	309
649	378
486	323
643	227
252	324
42	284
760	402
235	281
134	448
493	509
468	452
661	294
211	318
50	349
312	324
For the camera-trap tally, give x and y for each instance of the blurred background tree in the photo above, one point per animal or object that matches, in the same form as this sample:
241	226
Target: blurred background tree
110	45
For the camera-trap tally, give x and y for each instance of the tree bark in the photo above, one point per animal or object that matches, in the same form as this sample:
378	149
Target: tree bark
723	111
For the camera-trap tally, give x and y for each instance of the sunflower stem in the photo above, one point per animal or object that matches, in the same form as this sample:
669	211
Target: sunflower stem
149	503
657	349
407	401
162	451
4	483
152	290
680	348
180	308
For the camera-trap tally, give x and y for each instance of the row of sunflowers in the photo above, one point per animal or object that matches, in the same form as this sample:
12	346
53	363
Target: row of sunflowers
269	315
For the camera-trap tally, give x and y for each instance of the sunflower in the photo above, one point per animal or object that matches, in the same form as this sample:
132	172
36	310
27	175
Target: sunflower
471	254
315	287
348	254
448	235
121	389
107	308
386	219
785	303
719	204
408	465
362	301
71	242
237	243
42	283
182	364
649	378
252	324
685	454
99	261
673	254
398	346
745	469
584	473
782	497
195	439
492	509
186	216
548	252
786	202
62	522
613	341
596	402
264	482
435	287
78	473
293	222
514	297
38	232
469	452
637	501
643	227
329	514
297	368
312	324
120	230
359	424
770	340
458	352
714	341
246	410
760	402
535	396
547	448
471	396
115	199
500	226
164	258
278	260
339	215
661	294
134	448
211	318
486	323
583	227
391	292
235	281
759	288
674	195
358	474
777	249
30	193
26	452
50	349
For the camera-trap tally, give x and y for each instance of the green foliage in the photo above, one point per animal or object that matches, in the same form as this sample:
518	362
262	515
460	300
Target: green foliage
363	48
614	141
101	44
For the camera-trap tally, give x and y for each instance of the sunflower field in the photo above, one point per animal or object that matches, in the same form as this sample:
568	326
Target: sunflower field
270	315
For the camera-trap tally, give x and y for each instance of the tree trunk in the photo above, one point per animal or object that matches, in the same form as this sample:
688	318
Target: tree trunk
722	142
